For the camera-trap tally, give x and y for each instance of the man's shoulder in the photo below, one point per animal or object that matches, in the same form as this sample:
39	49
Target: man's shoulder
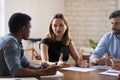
109	34
8	38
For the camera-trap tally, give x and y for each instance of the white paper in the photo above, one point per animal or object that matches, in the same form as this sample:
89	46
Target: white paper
58	74
79	69
100	67
30	78
111	72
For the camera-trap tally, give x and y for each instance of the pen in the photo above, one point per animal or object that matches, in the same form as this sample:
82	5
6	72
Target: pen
111	61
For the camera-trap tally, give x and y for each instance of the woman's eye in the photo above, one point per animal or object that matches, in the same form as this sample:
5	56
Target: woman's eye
55	25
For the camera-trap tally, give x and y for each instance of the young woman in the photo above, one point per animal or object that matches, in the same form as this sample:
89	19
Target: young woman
57	45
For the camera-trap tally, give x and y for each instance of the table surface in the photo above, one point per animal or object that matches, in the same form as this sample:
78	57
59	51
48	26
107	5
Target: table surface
76	75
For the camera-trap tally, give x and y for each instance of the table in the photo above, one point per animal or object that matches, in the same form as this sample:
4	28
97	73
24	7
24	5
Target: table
75	75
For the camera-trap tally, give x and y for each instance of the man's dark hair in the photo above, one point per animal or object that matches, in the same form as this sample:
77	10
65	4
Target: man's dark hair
17	21
115	14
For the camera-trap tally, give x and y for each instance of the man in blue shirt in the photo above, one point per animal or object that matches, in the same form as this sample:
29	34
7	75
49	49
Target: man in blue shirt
12	59
109	44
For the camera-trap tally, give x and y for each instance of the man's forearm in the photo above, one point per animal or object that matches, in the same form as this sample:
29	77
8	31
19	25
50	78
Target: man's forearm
25	72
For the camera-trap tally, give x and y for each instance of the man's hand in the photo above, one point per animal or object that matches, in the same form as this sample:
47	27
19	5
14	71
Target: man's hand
51	70
116	61
104	61
44	65
116	66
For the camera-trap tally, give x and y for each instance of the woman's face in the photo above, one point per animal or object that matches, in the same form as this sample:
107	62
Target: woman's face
59	27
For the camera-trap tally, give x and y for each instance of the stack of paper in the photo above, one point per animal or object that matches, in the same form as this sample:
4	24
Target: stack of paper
79	69
111	72
100	67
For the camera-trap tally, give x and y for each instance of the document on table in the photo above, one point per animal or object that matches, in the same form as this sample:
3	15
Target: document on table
30	78
79	69
58	74
111	72
100	67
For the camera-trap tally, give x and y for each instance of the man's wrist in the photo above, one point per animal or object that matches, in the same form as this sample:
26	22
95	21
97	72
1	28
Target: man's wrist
95	60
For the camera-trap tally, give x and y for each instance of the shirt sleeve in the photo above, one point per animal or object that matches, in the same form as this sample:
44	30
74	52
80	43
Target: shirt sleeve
12	56
101	48
45	41
24	62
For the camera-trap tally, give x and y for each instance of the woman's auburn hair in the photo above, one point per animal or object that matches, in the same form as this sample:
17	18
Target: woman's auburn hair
52	36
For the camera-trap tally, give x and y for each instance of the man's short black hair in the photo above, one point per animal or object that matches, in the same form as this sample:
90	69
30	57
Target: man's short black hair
115	14
17	21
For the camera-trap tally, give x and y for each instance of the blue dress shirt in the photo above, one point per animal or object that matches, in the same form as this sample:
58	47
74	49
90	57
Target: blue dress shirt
12	58
109	44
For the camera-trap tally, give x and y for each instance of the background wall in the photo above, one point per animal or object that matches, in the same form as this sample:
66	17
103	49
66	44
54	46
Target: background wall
87	19
2	17
41	12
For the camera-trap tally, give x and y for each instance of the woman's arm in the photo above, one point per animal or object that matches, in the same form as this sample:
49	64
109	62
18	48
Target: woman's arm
78	59
44	54
74	53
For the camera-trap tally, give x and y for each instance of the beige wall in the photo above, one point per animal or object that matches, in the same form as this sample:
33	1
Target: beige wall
41	12
2	20
89	19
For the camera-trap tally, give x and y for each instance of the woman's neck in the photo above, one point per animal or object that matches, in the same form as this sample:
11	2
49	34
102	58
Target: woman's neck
59	38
